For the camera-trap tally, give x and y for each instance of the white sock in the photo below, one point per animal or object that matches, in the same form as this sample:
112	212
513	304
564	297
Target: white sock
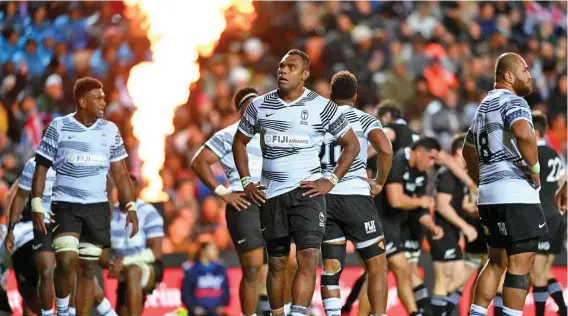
477	310
332	306
48	312
511	312
105	309
62	305
249	315
297	310
287	308
72	311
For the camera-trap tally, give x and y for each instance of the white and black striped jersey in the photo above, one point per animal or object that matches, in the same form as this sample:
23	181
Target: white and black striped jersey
150	223
23	233
25	183
221	143
353	182
290	137
81	157
501	182
551	170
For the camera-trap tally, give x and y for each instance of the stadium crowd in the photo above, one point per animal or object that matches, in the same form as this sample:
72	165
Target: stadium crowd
433	58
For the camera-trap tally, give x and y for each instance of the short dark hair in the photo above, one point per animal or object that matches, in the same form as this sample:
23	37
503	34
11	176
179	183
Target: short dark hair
505	62
428	143
85	85
243	94
457	142
540	122
343	86
389	107
303	55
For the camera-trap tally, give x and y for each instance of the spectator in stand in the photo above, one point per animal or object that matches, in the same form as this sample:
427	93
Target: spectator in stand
205	285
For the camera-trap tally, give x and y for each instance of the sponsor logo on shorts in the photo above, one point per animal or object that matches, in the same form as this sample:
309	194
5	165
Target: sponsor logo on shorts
286	139
390	248
241	241
322	220
502	228
486	230
541	225
370	227
412	244
36	247
544	245
450	254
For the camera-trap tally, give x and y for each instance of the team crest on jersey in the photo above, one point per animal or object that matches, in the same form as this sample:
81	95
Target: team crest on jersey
304	115
104	140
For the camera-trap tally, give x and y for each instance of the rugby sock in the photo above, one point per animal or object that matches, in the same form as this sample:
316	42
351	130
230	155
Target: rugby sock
416	314
62	305
555	291
438	305
297	310
421	298
332	306
378	315
476	310
249	315
452	301
47	312
511	312
498	305
540	294
264	305
287	308
354	295
105	309
72	311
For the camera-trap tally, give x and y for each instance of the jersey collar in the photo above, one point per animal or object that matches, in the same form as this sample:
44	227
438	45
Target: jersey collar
306	91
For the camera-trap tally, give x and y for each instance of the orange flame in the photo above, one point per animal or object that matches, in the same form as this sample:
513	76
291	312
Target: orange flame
179	31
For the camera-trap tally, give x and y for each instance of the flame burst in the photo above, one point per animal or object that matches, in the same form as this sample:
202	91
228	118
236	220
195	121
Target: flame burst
179	31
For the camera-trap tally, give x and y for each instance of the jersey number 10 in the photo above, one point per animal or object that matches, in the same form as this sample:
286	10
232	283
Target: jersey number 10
331	152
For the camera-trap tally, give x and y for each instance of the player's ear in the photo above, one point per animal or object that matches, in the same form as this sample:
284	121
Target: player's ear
508	77
305	75
355	98
82	103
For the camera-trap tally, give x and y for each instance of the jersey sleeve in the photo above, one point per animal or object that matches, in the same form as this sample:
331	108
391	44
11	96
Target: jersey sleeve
397	170
445	182
50	141
153	223
334	121
25	182
117	150
218	144
515	110
369	123
249	122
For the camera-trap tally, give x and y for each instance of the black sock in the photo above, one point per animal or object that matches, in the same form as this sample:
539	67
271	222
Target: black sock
438	305
498	305
263	305
422	299
540	294
453	300
416	314
555	291
354	293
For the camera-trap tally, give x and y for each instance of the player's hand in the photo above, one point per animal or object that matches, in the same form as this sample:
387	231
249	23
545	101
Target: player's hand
375	187
437	232
254	193
536	180
9	242
37	219
198	311
132	218
115	268
470	233
562	199
236	200
321	186
426	201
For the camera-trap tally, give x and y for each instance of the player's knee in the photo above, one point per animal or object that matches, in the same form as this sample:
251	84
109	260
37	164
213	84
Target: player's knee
333	262
308	240
66	244
46	274
132	273
88	251
307	259
278	247
87	270
516	281
251	273
277	264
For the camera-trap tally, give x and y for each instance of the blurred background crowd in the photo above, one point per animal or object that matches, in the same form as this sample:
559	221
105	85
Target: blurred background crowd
433	58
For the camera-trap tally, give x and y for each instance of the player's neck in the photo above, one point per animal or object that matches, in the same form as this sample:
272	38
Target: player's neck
290	95
412	160
84	119
343	102
505	86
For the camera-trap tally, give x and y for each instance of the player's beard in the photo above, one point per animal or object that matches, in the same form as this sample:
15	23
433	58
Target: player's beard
522	88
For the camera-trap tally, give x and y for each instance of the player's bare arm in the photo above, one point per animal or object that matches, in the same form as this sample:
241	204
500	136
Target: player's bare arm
15	210
471	159
201	165
397	198
444	207
427	221
241	161
38	185
383	147
562	197
351	148
449	162
526	140
125	193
